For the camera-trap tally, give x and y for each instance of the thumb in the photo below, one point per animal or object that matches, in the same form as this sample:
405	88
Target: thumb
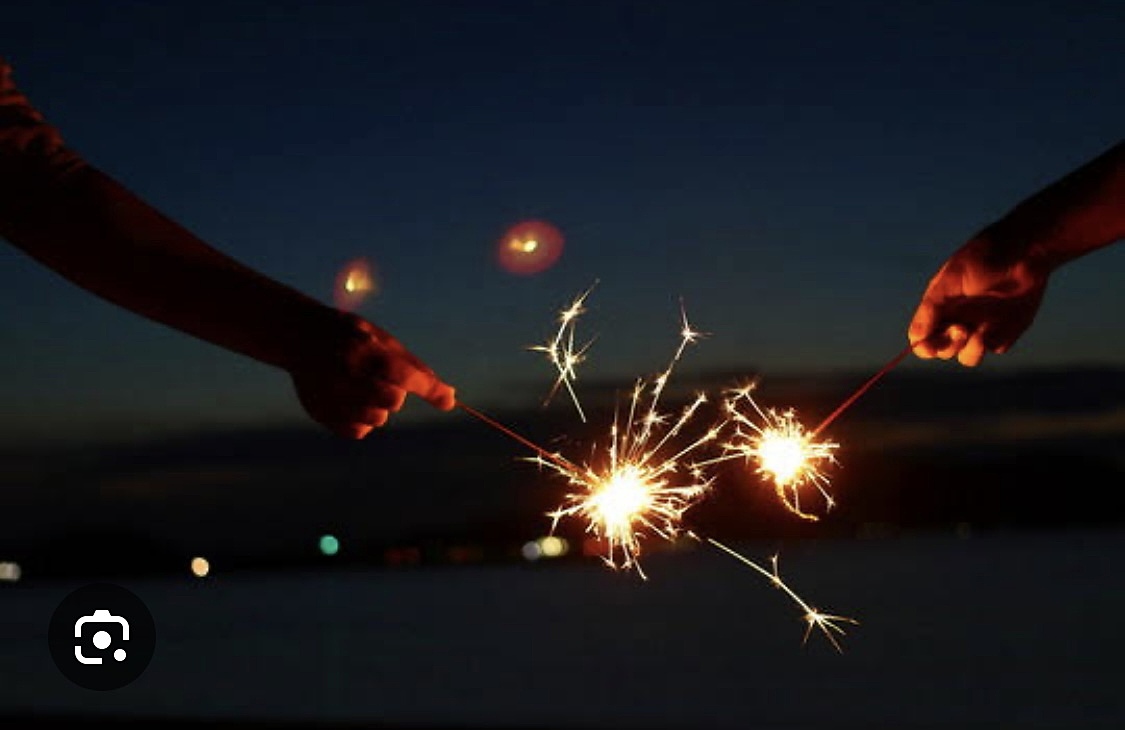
422	382
440	395
921	328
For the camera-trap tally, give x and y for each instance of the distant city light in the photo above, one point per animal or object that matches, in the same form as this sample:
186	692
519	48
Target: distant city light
403	556
10	572
329	545
545	547
531	551
553	547
200	567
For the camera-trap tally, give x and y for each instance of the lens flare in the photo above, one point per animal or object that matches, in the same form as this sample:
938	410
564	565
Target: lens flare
529	247
354	284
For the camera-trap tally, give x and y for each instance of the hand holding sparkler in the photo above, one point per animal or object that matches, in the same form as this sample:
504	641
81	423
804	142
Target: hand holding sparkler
359	375
981	300
988	292
85	225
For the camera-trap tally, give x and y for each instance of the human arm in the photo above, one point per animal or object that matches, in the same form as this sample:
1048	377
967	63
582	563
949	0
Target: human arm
75	219
988	292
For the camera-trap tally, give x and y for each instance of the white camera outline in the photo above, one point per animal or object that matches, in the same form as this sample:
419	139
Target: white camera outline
99	616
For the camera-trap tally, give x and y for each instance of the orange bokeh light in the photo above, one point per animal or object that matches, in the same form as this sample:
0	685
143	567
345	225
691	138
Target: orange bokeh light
529	247
354	283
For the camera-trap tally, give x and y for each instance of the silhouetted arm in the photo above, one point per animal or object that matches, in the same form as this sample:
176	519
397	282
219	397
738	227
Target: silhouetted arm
89	228
988	293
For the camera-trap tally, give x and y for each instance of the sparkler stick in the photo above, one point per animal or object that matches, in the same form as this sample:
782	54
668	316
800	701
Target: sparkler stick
863	389
556	458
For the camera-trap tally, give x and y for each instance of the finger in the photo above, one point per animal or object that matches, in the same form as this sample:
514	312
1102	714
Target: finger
921	329
372	418
929	347
407	370
349	429
443	396
956	336
424	383
355	421
377	418
973	352
380	394
1001	339
392	344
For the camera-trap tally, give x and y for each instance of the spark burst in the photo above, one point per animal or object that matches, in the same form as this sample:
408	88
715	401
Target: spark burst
635	489
638	485
786	452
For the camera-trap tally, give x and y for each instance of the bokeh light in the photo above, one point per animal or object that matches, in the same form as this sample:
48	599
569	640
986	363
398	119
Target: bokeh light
10	572
553	547
529	247
329	545
200	567
355	282
531	551
550	546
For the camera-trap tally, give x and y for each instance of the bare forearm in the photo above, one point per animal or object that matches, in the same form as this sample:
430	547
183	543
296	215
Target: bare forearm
102	237
1081	212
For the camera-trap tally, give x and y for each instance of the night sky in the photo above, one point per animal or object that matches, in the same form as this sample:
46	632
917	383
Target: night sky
794	171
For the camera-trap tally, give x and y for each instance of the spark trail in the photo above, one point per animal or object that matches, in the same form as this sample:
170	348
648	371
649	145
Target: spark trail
827	623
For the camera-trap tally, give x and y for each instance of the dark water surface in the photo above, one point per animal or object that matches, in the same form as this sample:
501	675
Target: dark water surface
1012	630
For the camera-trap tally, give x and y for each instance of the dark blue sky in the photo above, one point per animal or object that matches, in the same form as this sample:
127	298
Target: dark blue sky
795	171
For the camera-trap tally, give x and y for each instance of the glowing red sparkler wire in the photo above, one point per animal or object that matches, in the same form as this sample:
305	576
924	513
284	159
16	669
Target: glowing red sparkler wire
558	459
891	364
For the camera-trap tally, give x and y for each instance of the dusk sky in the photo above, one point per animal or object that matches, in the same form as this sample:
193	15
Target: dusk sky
794	171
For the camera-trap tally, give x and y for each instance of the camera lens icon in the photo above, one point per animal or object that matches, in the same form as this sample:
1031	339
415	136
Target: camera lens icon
101	636
101	639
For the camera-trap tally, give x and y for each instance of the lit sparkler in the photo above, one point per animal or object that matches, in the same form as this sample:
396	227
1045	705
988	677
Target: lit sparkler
784	450
638	486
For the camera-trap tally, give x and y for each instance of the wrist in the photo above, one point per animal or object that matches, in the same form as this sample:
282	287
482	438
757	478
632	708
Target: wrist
317	334
1040	236
1079	213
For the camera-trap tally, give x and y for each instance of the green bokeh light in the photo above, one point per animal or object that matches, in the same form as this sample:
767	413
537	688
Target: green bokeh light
329	545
